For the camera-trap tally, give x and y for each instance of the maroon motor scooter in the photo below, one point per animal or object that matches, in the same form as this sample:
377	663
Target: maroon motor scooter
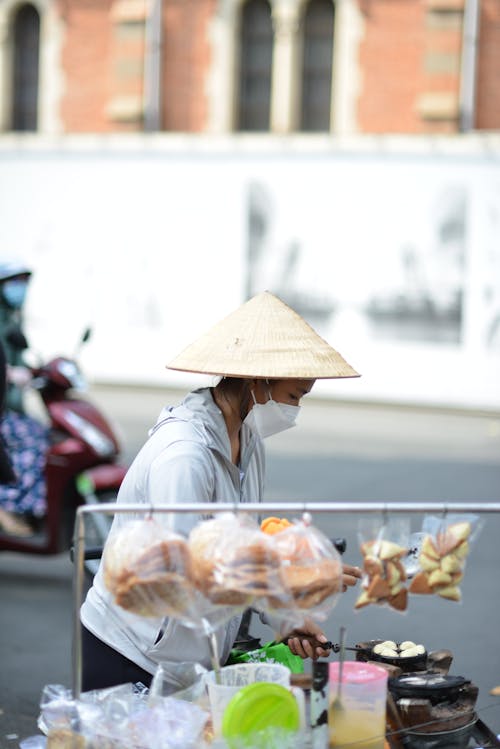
82	462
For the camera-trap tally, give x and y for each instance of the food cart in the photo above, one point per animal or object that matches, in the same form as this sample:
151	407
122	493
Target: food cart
397	734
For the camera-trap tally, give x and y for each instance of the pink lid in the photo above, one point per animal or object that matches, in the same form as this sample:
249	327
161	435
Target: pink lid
357	672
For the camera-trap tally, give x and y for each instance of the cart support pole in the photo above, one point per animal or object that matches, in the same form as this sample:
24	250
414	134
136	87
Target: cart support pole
79	558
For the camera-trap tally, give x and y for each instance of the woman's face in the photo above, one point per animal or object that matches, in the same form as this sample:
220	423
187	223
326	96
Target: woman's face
282	391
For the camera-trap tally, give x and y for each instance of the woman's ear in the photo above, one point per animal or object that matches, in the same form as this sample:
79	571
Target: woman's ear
257	391
254	387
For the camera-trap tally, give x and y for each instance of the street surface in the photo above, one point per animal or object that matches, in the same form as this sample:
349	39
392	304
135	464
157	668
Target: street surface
339	452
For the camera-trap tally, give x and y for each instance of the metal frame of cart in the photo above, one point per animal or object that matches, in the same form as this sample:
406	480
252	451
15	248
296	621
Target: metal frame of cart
201	508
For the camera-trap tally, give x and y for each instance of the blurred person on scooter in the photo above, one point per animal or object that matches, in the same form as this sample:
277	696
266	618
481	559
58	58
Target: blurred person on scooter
23	499
7	474
210	449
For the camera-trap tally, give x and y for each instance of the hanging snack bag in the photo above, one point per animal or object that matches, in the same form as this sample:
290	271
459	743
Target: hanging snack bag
383	547
234	563
444	549
311	570
148	570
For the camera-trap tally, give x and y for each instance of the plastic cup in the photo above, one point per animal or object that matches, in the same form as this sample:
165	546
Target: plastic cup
359	721
232	678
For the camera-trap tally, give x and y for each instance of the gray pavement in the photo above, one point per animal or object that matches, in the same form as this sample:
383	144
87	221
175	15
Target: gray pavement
338	452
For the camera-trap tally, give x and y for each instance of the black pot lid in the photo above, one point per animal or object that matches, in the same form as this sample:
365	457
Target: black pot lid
425	684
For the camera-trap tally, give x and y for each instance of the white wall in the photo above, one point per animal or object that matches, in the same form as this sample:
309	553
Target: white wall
390	247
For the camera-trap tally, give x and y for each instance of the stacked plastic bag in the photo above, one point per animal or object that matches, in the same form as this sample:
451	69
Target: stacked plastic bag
122	717
227	564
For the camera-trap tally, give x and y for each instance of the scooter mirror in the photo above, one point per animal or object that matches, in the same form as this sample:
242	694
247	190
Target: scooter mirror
16	338
86	335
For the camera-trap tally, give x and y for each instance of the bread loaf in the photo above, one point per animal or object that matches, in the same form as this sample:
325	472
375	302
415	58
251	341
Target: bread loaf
310	567
63	738
151	580
310	584
233	565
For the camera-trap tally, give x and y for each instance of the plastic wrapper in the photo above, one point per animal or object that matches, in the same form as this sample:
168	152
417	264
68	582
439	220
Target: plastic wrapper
58	710
311	574
172	724
235	563
34	742
182	680
105	715
148	570
127	720
443	549
119	718
71	724
384	545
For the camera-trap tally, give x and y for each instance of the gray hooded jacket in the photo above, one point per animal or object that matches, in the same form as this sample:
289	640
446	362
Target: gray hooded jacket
187	458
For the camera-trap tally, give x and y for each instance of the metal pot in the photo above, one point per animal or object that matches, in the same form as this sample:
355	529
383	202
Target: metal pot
458	738
431	686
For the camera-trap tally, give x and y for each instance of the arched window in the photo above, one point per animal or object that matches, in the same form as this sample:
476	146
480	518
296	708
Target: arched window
256	45
26	38
317	65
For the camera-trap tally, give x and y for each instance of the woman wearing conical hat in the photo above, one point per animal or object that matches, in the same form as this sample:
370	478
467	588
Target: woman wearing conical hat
210	448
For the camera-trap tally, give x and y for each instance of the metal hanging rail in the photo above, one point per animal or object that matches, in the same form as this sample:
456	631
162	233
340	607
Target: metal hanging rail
202	508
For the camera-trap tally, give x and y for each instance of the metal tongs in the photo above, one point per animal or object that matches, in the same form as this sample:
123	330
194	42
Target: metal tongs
333	646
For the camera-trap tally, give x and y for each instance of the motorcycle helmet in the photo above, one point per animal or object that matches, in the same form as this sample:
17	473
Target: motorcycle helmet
14	278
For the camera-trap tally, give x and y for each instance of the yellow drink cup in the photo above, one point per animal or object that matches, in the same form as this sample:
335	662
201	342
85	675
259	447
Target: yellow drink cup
358	720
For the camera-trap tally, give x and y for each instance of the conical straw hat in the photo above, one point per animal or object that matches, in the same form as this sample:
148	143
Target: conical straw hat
263	338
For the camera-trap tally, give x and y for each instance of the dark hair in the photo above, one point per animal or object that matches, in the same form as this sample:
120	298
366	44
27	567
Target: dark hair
236	389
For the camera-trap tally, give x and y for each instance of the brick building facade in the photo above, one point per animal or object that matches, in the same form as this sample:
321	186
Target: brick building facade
222	66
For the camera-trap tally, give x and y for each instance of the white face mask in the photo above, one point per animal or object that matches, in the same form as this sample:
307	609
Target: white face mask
271	417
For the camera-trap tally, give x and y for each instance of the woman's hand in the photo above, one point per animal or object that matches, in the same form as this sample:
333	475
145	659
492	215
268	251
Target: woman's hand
308	641
350	576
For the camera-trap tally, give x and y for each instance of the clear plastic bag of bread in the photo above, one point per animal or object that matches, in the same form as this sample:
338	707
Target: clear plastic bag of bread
310	568
384	544
234	563
444	548
148	569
